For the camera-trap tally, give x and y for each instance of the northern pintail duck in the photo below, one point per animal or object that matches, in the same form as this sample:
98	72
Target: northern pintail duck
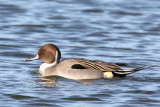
74	68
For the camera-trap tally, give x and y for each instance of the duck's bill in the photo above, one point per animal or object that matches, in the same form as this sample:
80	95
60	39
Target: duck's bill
33	58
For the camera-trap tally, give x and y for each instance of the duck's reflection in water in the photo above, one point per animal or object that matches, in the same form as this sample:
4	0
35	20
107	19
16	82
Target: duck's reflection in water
49	80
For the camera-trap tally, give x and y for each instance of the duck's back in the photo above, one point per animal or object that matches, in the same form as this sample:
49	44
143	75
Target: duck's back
74	69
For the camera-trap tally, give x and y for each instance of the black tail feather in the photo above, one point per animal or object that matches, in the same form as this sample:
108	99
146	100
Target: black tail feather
122	73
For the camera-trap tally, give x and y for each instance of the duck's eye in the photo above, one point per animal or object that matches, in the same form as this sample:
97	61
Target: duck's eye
43	51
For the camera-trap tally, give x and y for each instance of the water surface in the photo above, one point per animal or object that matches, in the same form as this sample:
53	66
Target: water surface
116	31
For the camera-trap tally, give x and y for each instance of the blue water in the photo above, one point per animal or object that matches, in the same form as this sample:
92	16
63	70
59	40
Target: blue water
116	31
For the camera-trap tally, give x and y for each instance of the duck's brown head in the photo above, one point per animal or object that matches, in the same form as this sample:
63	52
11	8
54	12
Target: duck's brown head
48	53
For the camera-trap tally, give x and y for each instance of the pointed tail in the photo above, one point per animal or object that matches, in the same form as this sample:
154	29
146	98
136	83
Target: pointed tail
123	72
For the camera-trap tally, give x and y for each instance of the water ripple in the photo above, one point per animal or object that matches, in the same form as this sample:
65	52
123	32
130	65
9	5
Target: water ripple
117	31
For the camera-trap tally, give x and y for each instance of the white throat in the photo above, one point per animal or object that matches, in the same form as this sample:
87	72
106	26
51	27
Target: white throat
44	66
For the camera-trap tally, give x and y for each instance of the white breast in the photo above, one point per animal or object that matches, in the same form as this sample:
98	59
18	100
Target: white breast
44	66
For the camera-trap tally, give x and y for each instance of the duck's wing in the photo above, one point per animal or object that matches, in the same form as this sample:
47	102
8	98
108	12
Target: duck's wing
96	65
